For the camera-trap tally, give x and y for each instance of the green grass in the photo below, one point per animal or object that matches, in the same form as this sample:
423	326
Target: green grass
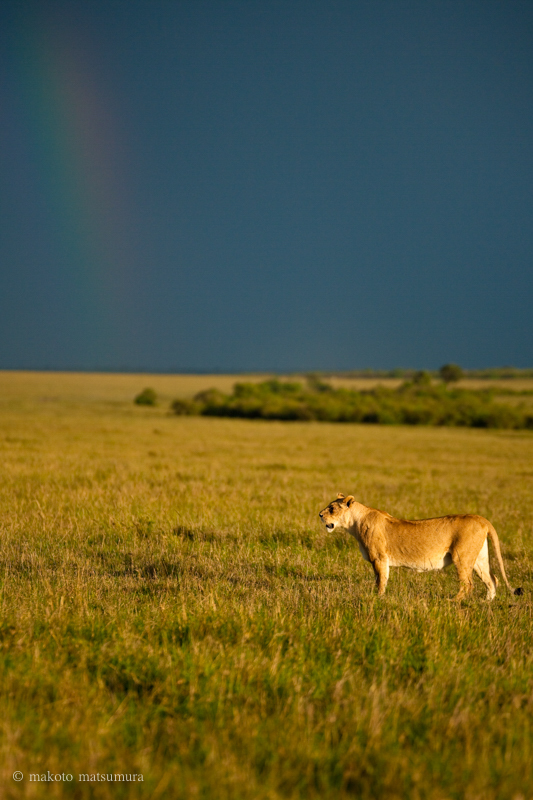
171	606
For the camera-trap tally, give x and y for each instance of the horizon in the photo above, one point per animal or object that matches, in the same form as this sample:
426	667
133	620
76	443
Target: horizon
506	371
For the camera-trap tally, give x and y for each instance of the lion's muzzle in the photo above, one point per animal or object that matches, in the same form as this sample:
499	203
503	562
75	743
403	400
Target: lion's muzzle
329	525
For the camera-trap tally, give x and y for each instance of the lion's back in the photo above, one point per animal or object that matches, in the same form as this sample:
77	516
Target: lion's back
427	543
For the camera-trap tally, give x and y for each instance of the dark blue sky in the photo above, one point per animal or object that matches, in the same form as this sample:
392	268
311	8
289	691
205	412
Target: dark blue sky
246	185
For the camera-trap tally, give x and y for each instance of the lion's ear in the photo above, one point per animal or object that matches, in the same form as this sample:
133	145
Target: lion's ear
340	496
349	500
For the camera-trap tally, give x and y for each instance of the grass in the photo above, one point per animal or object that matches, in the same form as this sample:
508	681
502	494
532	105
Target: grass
172	607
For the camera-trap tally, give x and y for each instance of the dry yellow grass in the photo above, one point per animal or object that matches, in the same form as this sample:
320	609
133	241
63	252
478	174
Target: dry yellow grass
93	387
172	607
84	387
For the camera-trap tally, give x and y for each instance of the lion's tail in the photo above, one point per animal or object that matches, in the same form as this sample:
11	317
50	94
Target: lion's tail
496	544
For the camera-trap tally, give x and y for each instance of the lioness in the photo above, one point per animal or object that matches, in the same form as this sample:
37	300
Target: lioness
422	544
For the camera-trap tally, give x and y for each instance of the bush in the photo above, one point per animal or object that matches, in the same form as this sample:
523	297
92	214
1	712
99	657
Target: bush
422	378
146	398
185	408
451	373
416	402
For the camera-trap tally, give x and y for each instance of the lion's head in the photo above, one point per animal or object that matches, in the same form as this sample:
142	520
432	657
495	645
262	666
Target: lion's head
334	514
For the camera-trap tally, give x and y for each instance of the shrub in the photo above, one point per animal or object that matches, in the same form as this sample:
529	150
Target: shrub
146	398
315	384
416	402
422	378
185	408
450	373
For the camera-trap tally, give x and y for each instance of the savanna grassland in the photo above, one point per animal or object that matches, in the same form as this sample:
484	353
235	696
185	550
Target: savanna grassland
171	606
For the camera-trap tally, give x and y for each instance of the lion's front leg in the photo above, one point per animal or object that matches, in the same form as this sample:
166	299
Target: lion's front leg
381	573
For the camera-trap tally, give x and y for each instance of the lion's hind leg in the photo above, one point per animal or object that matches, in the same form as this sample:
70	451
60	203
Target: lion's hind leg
482	570
464	568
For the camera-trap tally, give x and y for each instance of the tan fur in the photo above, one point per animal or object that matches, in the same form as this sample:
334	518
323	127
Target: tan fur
422	545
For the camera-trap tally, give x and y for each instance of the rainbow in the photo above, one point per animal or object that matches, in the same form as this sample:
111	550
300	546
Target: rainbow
75	154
